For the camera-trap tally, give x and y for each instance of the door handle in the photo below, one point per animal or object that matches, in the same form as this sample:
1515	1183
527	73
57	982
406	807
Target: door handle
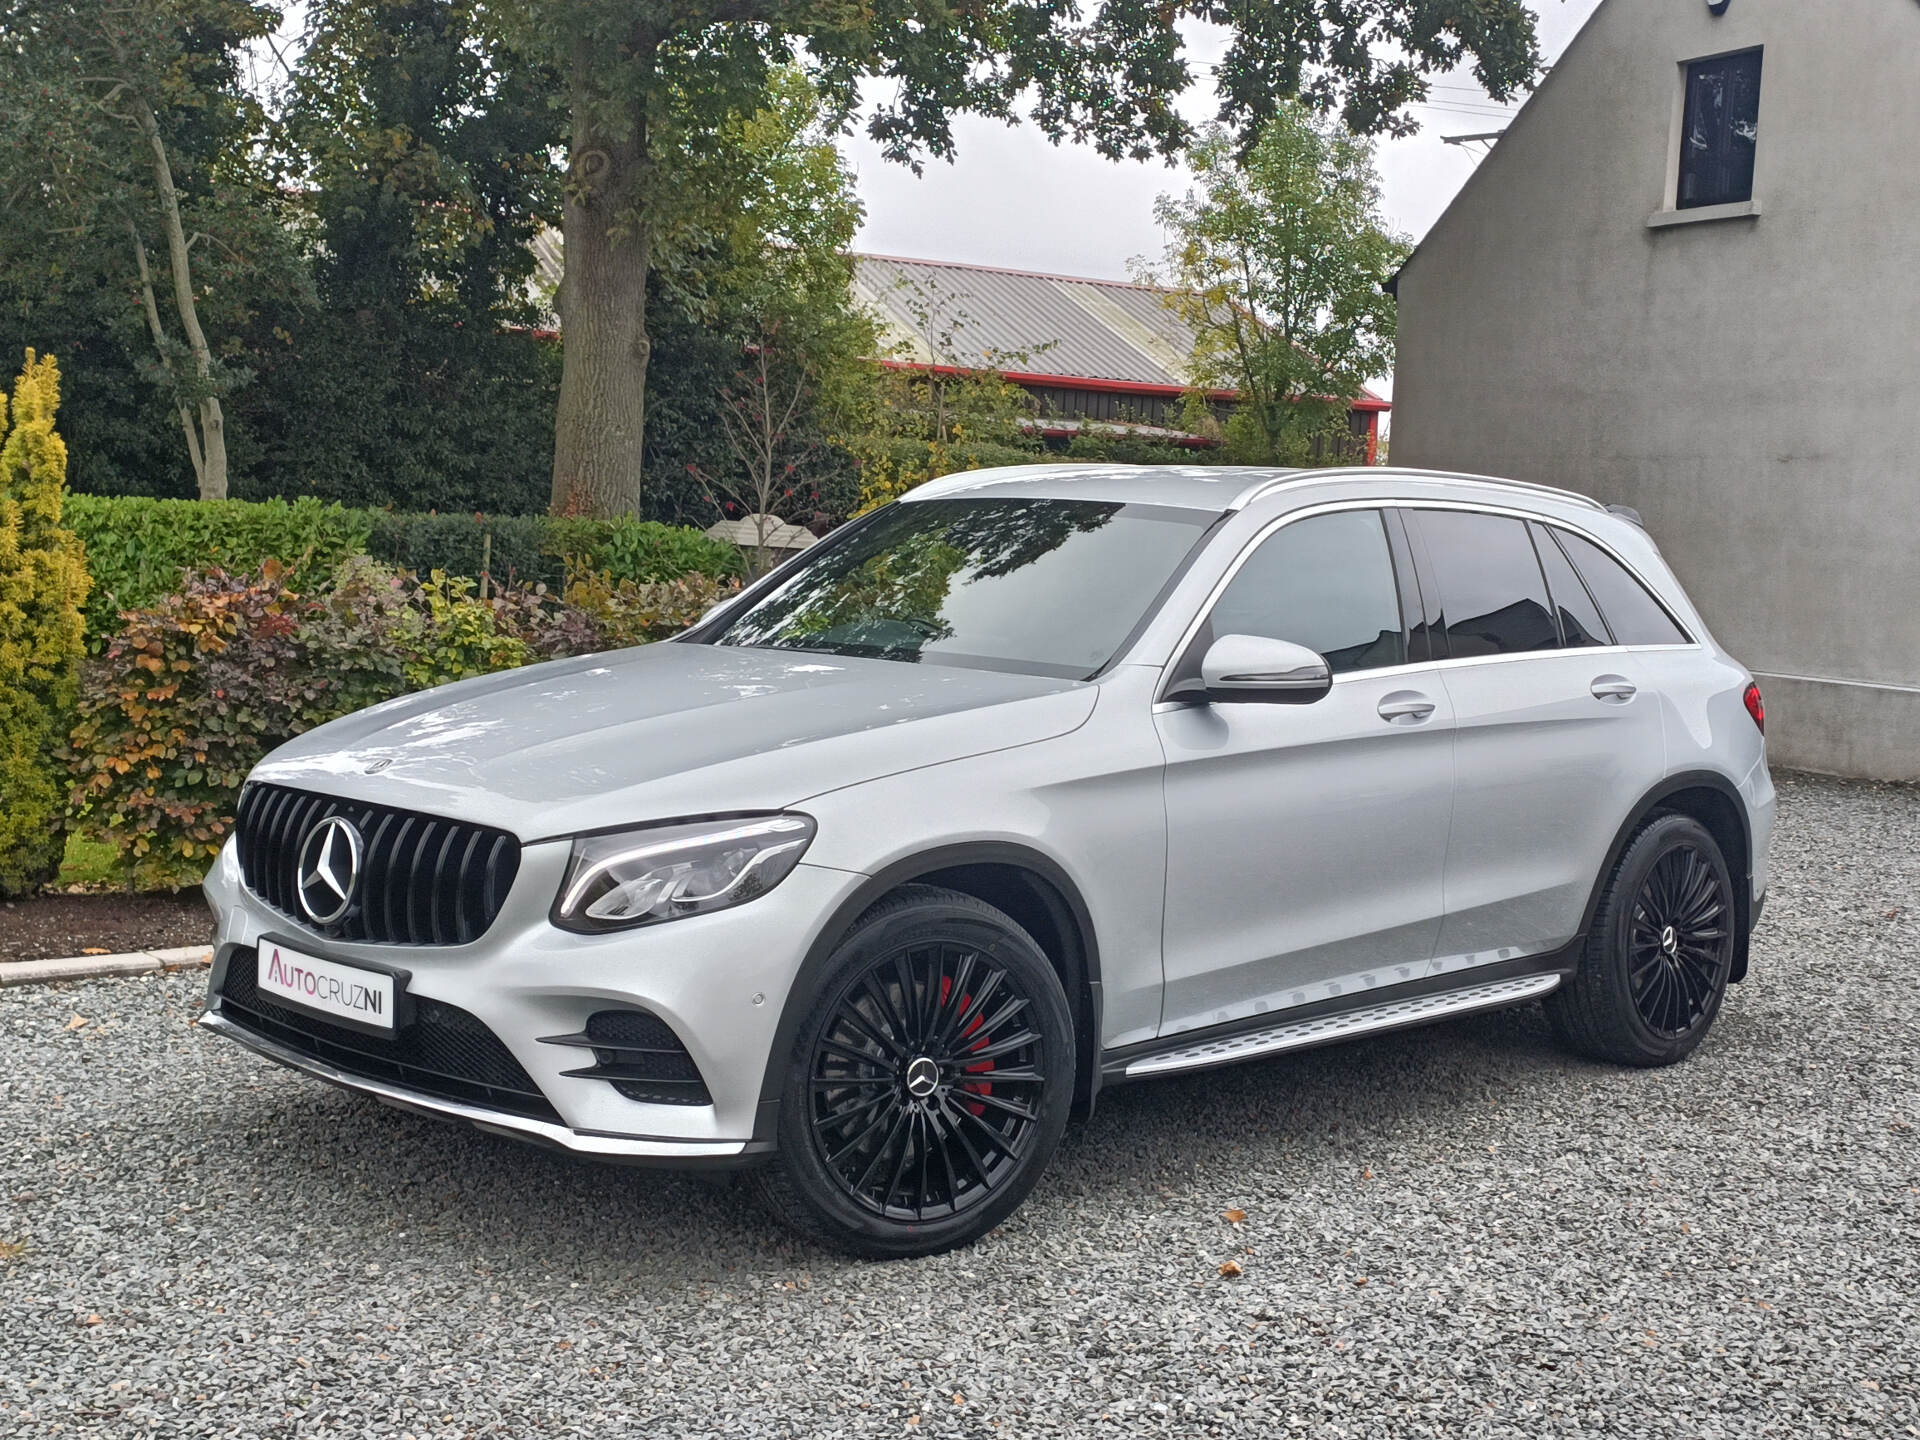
1614	689
1405	707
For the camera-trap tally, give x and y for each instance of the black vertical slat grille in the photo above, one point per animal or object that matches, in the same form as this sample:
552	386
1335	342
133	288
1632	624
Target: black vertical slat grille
423	880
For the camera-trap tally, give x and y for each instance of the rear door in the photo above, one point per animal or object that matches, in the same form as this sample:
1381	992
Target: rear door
1305	842
1557	732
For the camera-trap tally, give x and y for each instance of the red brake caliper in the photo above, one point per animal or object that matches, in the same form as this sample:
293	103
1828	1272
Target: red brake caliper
977	1087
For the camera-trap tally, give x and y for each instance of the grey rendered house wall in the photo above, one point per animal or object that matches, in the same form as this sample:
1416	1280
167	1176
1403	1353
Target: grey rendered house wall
1750	384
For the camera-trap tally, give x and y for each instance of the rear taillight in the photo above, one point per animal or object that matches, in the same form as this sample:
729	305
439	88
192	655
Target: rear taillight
1756	707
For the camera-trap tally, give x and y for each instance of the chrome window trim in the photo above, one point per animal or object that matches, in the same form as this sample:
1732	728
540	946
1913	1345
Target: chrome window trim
1261	489
1383	503
1466	661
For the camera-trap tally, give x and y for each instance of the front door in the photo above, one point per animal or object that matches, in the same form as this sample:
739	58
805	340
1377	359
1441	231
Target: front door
1305	842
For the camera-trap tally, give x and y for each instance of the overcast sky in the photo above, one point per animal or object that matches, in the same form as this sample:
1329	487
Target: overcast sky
1012	199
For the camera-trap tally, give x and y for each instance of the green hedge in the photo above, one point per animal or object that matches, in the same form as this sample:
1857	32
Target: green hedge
138	547
535	549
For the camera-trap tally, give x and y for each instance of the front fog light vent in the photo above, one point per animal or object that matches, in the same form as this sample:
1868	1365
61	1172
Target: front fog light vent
639	1055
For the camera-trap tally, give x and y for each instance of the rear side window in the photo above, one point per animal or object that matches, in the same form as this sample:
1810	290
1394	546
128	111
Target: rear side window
1580	622
1492	595
1327	583
1634	616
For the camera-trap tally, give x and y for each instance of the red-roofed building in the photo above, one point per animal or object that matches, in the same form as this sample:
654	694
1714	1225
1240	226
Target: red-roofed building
1094	353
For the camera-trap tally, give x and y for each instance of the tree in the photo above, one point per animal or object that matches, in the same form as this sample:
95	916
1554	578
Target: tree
419	159
651	85
427	153
777	286
792	373
1278	260
127	120
43	584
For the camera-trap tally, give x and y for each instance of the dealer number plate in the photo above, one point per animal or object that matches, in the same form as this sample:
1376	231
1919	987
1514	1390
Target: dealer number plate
326	986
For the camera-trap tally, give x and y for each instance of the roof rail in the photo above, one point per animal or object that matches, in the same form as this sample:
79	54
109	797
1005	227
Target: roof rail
1369	472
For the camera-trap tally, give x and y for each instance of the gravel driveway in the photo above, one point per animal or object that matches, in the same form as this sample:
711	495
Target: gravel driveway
1458	1231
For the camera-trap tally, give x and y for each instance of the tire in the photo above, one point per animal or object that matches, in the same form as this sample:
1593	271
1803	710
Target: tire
1655	966
933	1136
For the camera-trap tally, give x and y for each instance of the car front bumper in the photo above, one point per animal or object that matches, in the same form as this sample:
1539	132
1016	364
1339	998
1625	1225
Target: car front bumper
721	981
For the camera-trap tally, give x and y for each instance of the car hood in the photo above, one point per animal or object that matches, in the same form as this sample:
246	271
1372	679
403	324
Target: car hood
667	730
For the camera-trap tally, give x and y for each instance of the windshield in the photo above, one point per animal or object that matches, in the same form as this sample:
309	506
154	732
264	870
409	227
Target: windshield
1048	587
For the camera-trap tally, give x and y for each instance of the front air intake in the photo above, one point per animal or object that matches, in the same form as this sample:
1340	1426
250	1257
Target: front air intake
445	1052
638	1054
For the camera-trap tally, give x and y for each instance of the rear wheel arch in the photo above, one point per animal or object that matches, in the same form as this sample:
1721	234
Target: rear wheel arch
1026	885
1713	800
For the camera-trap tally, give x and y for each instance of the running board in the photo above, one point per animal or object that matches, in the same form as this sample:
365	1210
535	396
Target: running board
1349	1024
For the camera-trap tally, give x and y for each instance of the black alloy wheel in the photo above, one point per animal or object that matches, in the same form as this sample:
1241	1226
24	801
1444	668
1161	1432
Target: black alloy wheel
1654	969
1676	940
929	1084
925	1082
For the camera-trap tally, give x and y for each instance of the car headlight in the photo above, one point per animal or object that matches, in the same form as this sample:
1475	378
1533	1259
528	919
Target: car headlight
662	872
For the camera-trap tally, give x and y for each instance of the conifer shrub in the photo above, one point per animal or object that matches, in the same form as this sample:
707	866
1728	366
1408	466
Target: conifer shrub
43	585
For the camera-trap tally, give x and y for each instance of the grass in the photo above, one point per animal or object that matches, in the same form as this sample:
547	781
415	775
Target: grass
92	863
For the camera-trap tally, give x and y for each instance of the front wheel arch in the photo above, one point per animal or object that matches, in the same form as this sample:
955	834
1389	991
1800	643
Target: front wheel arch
1062	926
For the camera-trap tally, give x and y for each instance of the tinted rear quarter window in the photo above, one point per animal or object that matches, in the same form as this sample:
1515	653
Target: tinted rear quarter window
1580	622
1492	597
1634	616
1326	582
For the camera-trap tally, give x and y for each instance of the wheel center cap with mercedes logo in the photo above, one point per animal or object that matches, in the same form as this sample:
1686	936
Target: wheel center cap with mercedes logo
923	1077
329	867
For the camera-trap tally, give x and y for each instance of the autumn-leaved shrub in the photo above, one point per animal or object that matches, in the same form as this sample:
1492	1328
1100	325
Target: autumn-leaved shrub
461	637
194	690
186	698
43	584
138	548
634	614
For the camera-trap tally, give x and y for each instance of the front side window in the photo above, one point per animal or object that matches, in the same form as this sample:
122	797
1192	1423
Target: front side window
1043	587
1492	596
1326	582
1719	131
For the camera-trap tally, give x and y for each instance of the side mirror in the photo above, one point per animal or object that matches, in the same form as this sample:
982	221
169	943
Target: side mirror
1275	672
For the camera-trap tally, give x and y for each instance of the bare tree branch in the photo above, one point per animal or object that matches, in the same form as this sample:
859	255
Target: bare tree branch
160	344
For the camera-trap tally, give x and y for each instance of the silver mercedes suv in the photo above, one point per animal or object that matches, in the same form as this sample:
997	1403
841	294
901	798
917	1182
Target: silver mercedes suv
1036	781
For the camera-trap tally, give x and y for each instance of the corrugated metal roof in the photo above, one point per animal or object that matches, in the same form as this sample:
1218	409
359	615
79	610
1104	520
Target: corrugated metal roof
979	317
940	312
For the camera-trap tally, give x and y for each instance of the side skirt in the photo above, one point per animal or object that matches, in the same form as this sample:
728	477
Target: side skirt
1417	1002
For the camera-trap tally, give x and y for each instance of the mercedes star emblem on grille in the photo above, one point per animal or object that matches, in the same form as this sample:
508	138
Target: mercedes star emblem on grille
329	866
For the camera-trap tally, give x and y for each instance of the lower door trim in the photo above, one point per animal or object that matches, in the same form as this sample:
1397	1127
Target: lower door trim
1201	1052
